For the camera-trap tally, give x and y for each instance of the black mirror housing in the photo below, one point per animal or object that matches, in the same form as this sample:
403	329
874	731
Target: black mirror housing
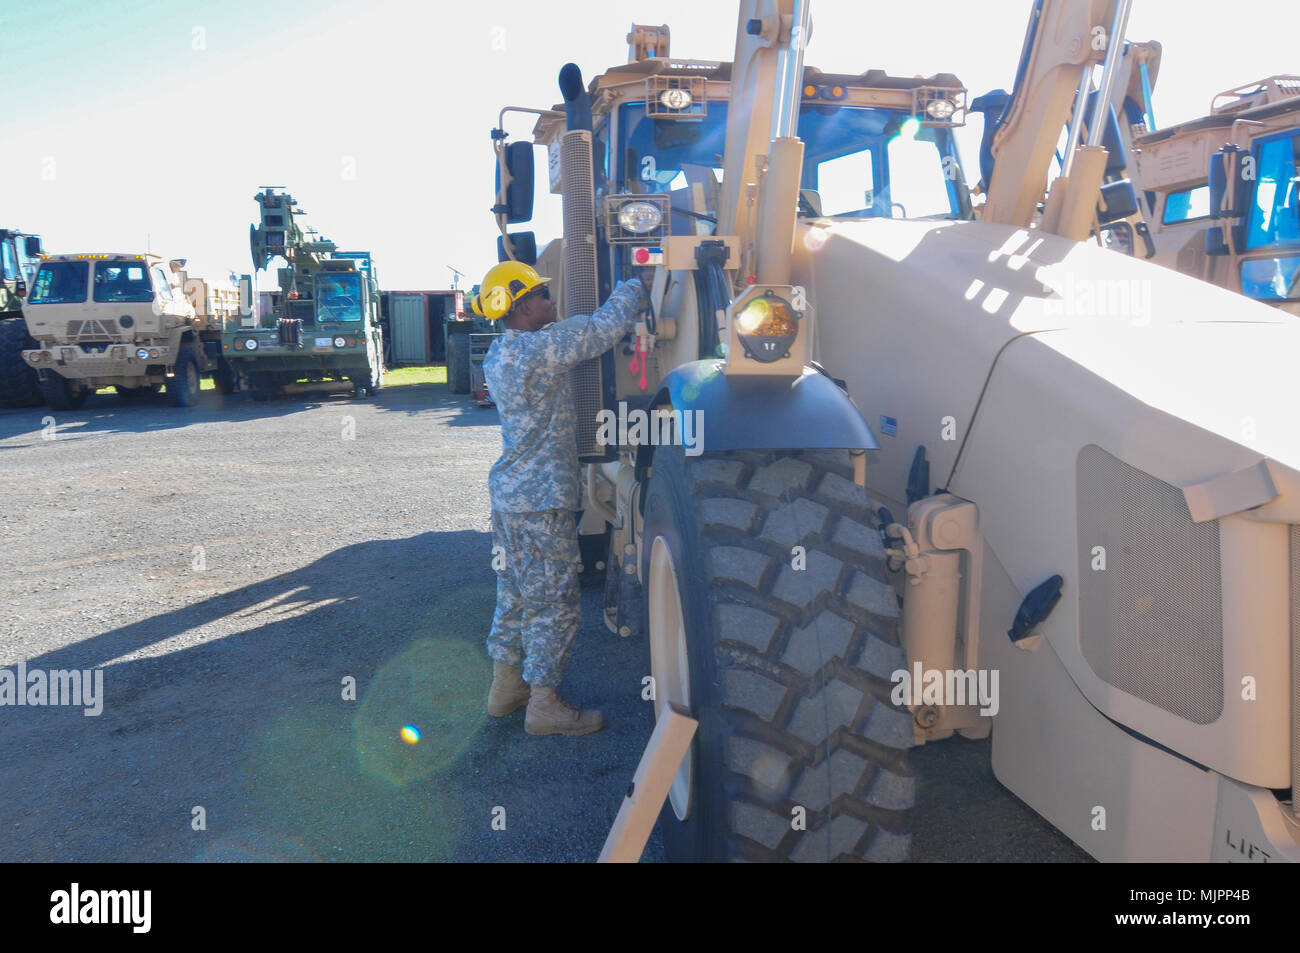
518	205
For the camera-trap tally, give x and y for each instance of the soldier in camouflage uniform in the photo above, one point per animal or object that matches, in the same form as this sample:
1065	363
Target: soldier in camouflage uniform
534	487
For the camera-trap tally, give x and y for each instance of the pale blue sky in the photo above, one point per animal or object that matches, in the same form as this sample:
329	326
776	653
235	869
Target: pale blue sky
127	122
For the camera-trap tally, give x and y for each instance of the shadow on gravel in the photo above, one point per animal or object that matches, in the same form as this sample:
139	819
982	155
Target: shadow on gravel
252	746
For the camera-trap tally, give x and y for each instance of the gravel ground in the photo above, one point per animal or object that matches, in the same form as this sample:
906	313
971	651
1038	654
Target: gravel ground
232	566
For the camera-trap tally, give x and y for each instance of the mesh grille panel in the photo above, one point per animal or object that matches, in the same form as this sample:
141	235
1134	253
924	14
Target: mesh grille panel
581	295
1151	622
1295	669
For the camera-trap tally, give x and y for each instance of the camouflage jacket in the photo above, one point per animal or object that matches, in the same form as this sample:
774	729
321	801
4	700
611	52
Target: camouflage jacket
527	375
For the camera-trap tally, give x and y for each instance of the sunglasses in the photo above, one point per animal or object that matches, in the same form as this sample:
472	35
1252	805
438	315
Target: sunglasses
542	292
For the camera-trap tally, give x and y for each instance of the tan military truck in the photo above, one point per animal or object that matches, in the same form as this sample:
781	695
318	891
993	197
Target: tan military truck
133	322
1222	192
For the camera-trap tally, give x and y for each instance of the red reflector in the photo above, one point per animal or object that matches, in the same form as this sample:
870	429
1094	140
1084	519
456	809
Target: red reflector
751	279
642	255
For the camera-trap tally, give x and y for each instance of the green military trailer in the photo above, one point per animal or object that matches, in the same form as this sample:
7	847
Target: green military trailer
322	330
20	255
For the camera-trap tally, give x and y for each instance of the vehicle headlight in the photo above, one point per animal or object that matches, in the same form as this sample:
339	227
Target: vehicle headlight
940	109
339	341
676	99
767	326
142	353
251	344
640	217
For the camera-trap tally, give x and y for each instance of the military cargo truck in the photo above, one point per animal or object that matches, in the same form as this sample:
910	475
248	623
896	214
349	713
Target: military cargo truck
19	255
127	321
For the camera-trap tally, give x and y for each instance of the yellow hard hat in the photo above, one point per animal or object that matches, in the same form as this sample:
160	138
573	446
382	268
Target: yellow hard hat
502	286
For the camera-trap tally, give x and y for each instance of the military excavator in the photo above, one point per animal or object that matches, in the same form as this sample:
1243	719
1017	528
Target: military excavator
896	470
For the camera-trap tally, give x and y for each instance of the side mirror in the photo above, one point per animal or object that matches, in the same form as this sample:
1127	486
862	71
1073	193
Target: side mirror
177	265
810	203
32	244
1118	200
524	245
518	200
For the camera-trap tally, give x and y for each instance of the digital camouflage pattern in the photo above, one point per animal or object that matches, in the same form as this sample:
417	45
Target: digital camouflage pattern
528	376
538	608
534	485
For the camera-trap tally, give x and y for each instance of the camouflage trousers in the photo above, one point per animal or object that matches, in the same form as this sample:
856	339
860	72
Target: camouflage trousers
539	606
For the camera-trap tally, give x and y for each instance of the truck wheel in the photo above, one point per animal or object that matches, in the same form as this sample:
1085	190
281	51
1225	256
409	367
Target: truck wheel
61	393
800	754
19	385
368	385
183	387
458	363
224	379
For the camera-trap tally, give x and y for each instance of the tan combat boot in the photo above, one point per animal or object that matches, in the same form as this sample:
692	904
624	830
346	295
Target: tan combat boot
549	714
509	691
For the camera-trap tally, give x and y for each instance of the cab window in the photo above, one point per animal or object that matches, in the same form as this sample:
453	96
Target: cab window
60	282
1186	205
122	282
9	260
1273	212
160	279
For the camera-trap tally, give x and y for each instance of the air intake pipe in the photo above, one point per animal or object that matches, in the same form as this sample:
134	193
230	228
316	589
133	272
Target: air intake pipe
581	274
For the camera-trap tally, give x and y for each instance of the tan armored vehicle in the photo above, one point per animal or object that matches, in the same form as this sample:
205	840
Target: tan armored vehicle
1084	465
133	322
1221	192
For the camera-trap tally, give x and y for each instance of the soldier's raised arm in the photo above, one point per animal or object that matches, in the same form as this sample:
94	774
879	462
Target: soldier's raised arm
569	342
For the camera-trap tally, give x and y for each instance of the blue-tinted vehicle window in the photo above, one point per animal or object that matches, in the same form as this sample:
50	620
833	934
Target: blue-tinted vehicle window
338	297
122	281
60	282
1271	279
1186	205
1273	213
683	158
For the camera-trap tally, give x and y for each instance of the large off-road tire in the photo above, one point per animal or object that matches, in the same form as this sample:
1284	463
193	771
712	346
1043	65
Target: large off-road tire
788	669
185	383
61	393
372	379
19	384
458	363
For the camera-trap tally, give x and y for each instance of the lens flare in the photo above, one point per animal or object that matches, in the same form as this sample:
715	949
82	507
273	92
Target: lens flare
410	734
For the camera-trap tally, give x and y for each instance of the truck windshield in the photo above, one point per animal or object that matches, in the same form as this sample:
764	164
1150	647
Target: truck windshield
338	297
862	162
60	282
122	281
1273	213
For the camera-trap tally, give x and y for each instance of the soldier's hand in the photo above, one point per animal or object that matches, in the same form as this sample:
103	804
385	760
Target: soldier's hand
646	277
